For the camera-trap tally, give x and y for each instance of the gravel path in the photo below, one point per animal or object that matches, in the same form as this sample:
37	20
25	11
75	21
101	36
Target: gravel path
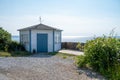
40	67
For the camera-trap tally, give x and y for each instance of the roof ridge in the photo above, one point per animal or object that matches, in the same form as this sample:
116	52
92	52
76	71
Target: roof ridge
40	26
49	26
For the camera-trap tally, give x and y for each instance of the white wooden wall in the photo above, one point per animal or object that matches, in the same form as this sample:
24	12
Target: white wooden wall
34	39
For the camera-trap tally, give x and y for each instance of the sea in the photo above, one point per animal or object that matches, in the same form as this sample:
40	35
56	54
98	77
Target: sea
82	39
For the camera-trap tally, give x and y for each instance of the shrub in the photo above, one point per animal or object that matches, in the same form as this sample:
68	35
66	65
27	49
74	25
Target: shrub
5	38
102	55
80	46
15	46
80	61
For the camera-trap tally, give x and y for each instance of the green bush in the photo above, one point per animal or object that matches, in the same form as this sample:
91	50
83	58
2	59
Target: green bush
6	44
80	61
102	55
9	47
15	46
5	38
80	46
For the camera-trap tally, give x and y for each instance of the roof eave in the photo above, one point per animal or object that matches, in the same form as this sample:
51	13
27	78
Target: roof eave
38	29
23	29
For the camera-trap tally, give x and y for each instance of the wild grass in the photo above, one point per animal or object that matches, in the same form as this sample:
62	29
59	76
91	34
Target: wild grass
63	55
5	54
14	54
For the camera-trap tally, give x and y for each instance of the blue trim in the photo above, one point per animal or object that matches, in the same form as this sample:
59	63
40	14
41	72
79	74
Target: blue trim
20	37
53	40
30	40
60	39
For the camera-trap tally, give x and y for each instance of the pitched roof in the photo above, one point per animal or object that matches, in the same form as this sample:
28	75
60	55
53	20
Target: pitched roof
40	27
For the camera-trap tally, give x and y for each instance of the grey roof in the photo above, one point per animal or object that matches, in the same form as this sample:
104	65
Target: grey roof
40	27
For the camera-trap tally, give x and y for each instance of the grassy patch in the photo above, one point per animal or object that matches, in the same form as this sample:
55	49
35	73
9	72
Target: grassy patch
80	61
53	53
5	54
20	53
63	55
14	54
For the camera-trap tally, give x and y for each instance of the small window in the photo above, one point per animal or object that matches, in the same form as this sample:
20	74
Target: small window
57	38
24	38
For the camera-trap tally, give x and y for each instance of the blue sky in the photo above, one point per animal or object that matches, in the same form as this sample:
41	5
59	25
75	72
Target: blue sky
74	17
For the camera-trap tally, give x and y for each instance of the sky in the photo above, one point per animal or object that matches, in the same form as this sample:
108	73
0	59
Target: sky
74	17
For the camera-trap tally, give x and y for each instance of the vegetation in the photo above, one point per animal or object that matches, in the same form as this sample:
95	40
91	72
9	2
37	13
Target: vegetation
63	55
15	46
8	47
80	46
101	54
5	54
5	38
14	54
80	61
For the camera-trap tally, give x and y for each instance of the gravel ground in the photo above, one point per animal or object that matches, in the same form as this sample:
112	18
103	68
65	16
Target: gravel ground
41	67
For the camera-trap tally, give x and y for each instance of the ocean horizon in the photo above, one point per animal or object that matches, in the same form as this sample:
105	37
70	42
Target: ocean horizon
82	39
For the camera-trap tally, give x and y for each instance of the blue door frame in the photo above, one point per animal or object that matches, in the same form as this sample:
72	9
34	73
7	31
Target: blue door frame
42	42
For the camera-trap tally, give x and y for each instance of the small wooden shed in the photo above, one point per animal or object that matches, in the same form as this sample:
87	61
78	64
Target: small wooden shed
40	38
